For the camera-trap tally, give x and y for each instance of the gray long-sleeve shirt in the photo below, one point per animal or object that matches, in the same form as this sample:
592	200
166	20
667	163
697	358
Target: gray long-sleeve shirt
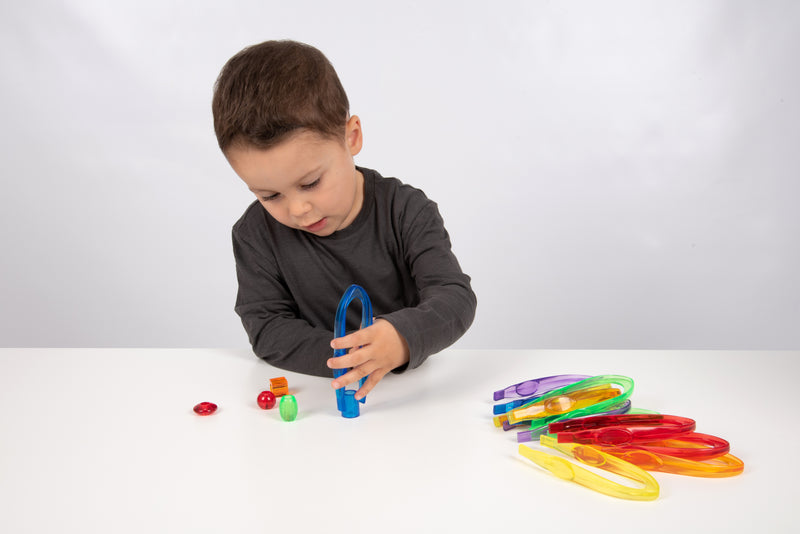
397	249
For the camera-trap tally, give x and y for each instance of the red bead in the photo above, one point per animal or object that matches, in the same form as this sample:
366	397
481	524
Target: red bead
205	408
266	400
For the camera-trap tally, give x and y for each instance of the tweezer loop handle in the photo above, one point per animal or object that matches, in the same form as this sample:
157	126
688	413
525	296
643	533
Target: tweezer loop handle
518	414
595	458
536	386
615	430
726	465
693	446
340	329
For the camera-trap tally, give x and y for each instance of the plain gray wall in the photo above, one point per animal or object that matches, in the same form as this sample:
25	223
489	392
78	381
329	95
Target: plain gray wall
613	174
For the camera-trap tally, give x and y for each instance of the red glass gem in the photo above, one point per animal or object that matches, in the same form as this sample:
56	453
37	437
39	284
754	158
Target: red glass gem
266	400
205	408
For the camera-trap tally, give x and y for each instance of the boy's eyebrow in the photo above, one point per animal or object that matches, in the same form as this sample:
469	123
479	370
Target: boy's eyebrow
306	175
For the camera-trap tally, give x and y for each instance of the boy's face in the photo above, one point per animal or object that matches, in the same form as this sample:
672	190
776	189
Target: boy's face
307	182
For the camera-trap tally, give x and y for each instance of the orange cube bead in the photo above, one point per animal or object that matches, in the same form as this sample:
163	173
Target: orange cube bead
278	386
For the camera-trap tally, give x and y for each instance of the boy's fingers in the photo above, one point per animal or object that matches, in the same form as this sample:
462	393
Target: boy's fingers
353	376
338	362
354	358
356	339
344	342
369	383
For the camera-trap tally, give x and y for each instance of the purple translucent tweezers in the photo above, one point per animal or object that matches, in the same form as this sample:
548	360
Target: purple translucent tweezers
537	386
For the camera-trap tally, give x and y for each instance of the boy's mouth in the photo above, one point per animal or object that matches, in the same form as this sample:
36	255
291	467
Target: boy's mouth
317	226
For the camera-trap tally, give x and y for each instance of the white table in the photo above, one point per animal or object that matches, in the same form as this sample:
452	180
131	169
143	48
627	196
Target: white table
105	440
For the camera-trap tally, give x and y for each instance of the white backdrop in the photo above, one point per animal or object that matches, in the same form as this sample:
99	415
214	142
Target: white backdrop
613	174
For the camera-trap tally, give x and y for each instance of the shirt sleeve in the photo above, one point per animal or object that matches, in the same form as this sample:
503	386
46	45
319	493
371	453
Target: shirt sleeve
447	303
270	316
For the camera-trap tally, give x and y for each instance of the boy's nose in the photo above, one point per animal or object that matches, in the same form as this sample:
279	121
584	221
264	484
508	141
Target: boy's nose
299	207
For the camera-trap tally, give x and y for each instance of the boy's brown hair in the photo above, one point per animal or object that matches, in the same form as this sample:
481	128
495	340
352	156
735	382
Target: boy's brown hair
269	90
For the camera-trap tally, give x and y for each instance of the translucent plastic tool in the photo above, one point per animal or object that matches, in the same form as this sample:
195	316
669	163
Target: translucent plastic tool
537	386
588	455
531	435
508	426
561	404
691	446
541	386
625	383
547	406
347	403
726	465
565	400
611	430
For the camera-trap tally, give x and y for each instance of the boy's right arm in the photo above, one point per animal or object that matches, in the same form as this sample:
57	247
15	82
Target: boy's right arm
270	316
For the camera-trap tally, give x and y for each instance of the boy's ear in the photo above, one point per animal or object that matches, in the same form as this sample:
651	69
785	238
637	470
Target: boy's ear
353	135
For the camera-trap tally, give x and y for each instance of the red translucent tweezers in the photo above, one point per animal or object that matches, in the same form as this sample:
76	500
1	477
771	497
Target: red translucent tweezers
615	430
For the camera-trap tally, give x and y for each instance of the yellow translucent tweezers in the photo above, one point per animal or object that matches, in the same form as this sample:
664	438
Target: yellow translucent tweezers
560	404
588	455
726	465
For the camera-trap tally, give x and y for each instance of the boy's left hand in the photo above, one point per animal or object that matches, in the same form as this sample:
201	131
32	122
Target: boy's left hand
374	351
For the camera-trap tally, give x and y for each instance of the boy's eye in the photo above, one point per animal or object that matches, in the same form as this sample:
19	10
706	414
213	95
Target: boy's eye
312	185
306	187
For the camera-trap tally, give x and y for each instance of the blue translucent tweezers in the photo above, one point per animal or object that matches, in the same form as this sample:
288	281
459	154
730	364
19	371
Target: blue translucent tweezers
345	398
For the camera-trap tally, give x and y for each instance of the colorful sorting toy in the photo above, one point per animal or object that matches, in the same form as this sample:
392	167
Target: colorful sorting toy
288	408
532	435
346	402
266	400
625	383
692	446
279	386
591	420
618	430
561	404
537	386
595	458
564	400
726	465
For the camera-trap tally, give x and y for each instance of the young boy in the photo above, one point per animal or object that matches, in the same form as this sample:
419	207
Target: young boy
321	224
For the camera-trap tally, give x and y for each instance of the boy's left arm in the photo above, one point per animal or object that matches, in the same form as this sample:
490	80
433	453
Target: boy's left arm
406	337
